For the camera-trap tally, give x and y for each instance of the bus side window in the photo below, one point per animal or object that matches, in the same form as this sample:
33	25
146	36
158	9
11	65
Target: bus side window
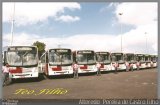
43	59
46	57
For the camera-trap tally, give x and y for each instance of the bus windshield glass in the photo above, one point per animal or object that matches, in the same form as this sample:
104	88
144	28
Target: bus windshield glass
130	57
117	57
103	58
85	57
140	58
147	58
60	56
154	59
22	56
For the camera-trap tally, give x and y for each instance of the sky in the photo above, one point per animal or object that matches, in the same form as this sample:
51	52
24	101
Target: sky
83	25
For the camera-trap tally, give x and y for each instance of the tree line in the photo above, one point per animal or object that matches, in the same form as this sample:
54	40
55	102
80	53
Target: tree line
41	47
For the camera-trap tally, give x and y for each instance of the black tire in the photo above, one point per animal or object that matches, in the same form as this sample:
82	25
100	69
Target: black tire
41	77
71	75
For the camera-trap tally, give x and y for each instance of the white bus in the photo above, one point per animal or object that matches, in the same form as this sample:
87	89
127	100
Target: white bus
104	59
154	60
148	60
140	58
130	58
23	61
118	59
57	61
86	60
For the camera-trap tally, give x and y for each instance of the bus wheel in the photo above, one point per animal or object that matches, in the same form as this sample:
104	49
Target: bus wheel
45	76
41	76
71	75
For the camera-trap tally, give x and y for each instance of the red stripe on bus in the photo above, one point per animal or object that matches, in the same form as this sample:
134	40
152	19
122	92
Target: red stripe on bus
58	68
102	66
83	67
17	70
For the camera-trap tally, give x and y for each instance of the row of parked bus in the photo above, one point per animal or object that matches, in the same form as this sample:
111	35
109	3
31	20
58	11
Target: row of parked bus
24	62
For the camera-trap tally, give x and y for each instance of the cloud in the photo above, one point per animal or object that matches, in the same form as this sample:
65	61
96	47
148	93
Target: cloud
20	39
74	42
141	13
31	13
109	7
112	5
143	16
67	18
133	41
136	39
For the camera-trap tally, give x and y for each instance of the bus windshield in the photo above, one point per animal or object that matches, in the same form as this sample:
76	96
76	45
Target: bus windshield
60	57
117	57
147	58
140	58
130	57
22	57
103	58
154	59
85	58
